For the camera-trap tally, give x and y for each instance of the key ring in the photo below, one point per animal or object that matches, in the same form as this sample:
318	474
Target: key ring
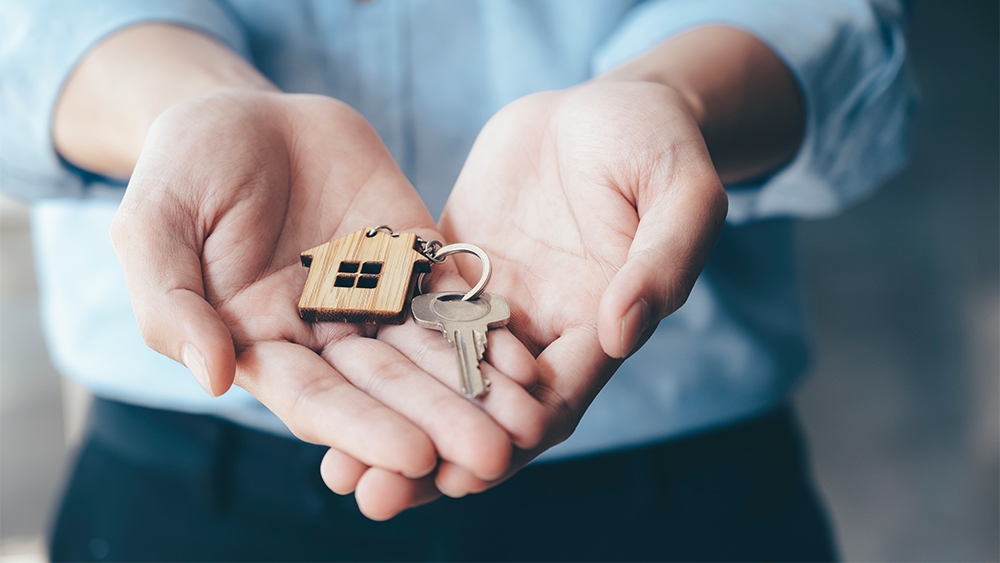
436	253
457	248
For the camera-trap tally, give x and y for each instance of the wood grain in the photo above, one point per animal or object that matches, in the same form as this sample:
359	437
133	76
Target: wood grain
385	303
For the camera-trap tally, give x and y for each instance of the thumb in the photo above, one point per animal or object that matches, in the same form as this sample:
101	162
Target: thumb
163	273
677	230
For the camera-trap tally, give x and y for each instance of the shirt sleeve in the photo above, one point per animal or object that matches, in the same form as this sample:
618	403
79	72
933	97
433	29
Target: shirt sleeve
848	58
41	42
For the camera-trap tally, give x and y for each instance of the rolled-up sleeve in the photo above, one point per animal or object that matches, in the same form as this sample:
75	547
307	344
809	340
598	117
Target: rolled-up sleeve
847	56
41	41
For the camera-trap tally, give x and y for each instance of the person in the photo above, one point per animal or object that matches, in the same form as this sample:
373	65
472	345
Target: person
633	169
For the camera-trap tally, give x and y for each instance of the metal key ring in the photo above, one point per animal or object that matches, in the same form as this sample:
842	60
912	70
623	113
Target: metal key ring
457	248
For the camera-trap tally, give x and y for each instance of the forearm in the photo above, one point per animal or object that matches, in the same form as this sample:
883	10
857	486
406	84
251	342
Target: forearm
124	82
745	99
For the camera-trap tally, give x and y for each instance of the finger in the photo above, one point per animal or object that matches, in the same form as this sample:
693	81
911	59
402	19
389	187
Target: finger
459	430
573	369
341	472
512	407
508	365
456	482
677	230
382	494
167	292
509	404
508	355
565	392
321	407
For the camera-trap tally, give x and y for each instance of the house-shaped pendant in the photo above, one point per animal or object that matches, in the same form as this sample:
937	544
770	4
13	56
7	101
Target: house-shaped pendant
364	277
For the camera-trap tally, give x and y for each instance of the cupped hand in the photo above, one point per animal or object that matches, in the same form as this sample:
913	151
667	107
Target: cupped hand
598	205
611	207
228	190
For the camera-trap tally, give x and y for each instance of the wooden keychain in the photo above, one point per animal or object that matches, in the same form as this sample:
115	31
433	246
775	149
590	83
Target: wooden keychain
369	276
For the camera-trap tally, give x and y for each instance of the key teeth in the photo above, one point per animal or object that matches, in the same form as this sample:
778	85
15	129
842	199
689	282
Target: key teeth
480	344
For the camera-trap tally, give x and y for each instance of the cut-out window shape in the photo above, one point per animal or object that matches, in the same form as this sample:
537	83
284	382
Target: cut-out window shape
368	279
371	268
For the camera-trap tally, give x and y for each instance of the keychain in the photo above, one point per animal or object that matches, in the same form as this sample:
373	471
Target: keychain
368	277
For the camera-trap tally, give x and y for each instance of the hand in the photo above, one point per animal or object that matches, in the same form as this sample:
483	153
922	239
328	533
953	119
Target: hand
610	206
228	190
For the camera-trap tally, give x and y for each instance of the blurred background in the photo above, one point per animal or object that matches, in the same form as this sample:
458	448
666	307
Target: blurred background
903	293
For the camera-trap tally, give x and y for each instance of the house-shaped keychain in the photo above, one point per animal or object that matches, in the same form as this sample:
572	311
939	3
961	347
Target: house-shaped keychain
363	277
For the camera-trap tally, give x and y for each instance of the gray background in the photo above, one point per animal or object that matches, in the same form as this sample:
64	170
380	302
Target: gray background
902	292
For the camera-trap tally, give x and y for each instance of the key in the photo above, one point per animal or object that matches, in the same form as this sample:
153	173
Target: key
464	324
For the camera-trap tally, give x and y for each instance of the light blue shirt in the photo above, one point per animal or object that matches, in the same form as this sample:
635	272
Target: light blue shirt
428	74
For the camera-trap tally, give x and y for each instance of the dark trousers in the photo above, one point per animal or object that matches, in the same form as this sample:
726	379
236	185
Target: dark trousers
153	485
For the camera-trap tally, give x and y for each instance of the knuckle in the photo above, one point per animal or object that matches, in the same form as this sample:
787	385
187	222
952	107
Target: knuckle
465	435
384	377
563	419
532	431
486	448
301	418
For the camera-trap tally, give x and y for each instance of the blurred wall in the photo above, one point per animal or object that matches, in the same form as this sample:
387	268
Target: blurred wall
902	291
33	449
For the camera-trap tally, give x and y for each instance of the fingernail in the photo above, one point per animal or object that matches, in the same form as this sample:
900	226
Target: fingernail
634	323
420	474
195	362
452	494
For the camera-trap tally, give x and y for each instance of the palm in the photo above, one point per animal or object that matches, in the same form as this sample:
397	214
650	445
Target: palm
556	245
555	189
229	190
295	198
565	230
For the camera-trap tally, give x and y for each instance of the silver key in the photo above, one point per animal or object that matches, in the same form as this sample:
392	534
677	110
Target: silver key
465	324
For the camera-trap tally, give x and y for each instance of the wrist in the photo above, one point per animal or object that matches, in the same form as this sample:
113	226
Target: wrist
665	66
126	81
744	98
680	95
